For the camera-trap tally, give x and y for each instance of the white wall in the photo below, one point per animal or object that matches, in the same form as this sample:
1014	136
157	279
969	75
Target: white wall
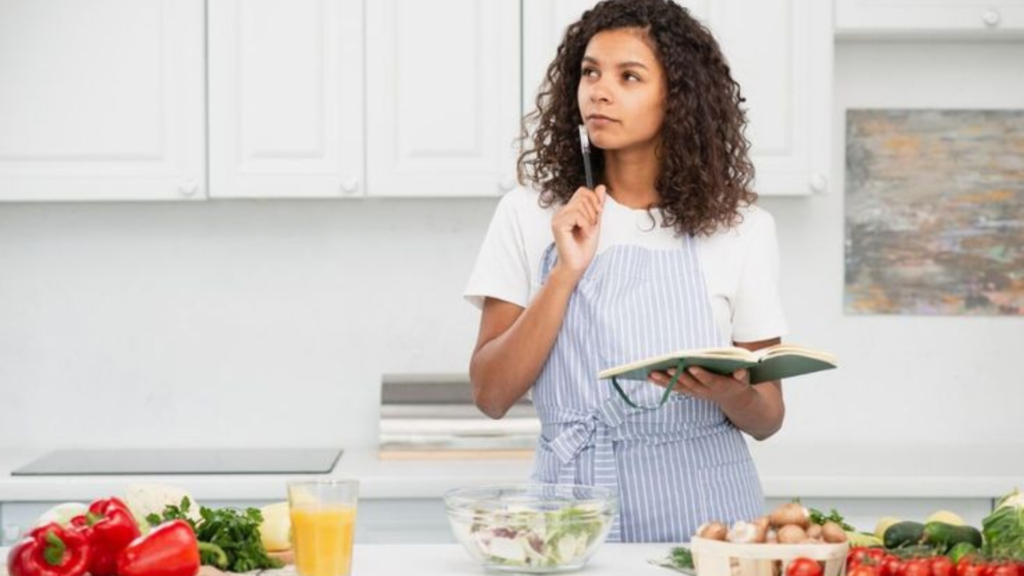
269	323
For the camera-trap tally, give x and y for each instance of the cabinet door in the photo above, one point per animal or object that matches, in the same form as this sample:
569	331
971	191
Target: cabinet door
286	98
959	18
102	100
780	52
443	97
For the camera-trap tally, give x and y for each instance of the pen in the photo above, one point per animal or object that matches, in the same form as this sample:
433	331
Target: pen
585	146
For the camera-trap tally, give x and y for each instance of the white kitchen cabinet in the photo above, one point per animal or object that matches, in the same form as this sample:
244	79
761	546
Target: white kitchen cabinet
443	97
102	100
990	19
780	52
286	98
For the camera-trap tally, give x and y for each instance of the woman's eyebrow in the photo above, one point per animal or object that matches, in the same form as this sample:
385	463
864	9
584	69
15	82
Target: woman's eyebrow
626	64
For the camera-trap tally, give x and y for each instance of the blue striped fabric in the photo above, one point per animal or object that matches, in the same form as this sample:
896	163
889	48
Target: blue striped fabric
674	468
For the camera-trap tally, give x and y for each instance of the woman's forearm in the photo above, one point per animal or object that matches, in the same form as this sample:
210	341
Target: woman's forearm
758	412
503	369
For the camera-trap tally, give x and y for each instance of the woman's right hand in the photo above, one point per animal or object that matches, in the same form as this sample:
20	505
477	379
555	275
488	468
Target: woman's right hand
577	227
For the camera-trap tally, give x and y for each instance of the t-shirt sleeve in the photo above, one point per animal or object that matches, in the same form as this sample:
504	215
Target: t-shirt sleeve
501	270
757	308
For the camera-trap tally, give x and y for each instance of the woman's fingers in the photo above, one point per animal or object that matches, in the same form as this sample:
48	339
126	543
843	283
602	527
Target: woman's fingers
583	222
594	207
588	201
589	212
686	383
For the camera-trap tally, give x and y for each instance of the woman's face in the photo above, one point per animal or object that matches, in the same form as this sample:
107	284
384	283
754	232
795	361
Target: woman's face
623	81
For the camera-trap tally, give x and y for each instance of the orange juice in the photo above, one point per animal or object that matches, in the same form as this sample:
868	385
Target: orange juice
322	539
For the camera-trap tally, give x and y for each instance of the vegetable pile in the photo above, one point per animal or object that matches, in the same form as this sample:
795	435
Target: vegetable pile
106	539
943	545
233	537
790	523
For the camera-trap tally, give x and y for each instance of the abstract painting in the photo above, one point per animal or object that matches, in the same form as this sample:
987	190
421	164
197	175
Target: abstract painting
935	212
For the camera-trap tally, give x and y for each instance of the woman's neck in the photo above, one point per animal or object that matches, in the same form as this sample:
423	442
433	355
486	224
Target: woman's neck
631	175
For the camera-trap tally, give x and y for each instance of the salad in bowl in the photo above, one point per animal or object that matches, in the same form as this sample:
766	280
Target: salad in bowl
537	528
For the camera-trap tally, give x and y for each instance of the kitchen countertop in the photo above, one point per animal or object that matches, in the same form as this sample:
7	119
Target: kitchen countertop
451	559
807	471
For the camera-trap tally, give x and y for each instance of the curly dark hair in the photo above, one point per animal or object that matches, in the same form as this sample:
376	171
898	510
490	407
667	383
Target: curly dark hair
705	173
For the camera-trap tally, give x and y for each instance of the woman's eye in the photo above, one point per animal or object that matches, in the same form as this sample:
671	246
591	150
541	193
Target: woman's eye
587	71
629	75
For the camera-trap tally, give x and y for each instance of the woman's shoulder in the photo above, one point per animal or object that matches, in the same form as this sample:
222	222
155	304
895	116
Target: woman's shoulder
755	221
754	227
752	222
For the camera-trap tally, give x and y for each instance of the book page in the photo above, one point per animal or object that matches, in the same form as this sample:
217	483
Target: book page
795	350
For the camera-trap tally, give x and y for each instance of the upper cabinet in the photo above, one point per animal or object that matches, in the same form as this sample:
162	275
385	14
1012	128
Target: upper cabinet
102	100
443	86
936	18
780	52
116	99
286	98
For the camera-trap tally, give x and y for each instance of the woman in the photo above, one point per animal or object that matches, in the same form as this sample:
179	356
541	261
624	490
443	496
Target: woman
667	253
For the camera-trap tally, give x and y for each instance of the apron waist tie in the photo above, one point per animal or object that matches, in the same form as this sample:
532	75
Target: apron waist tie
595	430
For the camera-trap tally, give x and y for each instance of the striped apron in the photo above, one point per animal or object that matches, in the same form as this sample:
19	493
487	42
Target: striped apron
673	468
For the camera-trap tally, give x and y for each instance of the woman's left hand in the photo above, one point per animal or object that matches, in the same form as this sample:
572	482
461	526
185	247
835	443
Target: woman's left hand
701	383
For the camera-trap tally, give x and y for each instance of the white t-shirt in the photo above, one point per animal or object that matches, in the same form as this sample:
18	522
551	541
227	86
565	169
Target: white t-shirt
740	264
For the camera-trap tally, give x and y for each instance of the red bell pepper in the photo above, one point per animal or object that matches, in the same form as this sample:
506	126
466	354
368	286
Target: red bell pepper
170	549
110	527
50	550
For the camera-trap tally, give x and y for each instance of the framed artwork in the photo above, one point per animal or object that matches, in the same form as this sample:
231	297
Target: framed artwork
934	212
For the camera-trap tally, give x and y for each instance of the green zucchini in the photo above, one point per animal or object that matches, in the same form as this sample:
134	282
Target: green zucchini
944	536
960	550
902	534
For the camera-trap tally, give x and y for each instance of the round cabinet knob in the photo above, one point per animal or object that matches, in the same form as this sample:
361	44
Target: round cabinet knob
991	17
507	184
11	534
188	187
350	185
818	182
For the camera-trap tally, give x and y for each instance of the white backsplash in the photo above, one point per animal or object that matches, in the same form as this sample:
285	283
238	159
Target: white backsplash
248	323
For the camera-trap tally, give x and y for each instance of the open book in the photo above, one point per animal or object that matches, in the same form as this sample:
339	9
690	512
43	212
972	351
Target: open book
771	363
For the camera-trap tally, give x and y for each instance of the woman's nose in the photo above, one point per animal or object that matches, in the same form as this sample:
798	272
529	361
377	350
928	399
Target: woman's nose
599	93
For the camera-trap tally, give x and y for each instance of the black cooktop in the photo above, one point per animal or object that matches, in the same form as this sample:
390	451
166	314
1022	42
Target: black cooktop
183	461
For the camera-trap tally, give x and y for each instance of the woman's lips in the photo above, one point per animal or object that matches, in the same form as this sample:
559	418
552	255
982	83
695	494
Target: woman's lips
599	121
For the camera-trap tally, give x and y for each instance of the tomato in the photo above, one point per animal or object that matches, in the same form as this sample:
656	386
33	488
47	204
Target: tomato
876	555
916	567
857	556
1005	570
968	566
890	566
943	566
803	567
863	570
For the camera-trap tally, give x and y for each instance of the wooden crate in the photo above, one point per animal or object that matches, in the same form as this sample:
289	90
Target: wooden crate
715	558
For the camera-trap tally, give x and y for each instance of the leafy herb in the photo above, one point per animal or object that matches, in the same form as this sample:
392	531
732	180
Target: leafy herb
819	517
234	534
682	557
1004	528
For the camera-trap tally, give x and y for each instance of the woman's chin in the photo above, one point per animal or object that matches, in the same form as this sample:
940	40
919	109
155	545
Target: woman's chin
597	140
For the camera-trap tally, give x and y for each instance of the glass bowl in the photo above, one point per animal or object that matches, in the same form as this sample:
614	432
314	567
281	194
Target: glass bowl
534	528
